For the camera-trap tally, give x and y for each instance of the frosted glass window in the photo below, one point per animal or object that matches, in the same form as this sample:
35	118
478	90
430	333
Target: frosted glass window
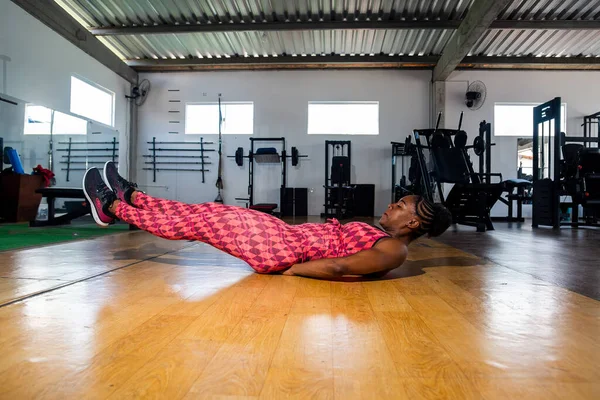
38	121
514	119
343	118
203	118
93	102
65	124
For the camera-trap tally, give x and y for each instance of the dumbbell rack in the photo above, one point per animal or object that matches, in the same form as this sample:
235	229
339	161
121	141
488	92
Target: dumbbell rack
198	156
91	158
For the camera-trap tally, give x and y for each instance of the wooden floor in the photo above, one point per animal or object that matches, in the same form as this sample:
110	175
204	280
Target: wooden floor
133	316
566	257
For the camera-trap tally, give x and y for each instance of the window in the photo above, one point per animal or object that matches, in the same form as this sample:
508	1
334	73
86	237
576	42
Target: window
343	118
525	158
203	118
38	121
516	119
93	102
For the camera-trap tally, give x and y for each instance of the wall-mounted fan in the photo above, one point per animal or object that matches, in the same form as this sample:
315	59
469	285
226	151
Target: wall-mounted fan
475	96
140	92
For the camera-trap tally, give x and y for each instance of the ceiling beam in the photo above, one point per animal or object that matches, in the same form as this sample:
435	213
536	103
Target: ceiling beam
349	62
333	25
547	25
274	26
57	19
529	63
284	62
531	60
478	19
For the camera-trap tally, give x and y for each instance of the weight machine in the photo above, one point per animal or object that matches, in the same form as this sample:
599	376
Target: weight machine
339	192
575	174
267	155
515	188
472	195
400	189
591	128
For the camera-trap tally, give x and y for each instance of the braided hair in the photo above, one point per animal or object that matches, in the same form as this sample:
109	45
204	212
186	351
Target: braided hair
435	218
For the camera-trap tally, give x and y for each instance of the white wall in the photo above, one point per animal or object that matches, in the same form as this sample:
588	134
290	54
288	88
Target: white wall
280	109
577	89
40	69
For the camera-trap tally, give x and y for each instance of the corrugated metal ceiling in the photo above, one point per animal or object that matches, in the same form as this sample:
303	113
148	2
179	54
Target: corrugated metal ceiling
98	13
537	43
417	42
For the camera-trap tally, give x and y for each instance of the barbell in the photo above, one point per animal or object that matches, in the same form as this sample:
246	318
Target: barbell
239	156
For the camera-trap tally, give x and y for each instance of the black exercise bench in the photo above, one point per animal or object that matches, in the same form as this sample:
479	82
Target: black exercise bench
267	208
52	193
520	196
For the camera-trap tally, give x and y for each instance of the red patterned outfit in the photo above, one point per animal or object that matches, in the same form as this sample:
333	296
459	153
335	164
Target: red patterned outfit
265	242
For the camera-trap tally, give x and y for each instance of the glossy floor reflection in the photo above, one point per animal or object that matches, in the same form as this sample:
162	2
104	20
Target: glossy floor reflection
195	323
567	257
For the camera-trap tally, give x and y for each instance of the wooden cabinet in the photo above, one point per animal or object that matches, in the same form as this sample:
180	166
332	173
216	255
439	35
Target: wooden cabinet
18	200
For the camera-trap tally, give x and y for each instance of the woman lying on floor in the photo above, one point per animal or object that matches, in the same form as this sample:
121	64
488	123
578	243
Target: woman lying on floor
269	245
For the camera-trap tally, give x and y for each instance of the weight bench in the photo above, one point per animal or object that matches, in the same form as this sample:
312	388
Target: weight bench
52	193
519	196
267	208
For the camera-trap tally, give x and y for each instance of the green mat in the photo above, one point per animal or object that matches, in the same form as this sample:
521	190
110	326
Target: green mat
16	236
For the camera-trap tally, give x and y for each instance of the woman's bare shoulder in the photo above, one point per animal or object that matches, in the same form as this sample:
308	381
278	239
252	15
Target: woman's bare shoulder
393	247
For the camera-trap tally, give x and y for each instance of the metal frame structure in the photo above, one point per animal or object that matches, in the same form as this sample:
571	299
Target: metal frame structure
90	157
470	202
547	190
588	128
252	158
345	149
485	160
398	150
199	159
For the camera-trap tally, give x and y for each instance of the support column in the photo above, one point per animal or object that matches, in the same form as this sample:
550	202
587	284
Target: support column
132	141
438	93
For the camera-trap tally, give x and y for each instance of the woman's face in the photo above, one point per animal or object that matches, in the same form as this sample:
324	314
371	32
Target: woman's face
401	214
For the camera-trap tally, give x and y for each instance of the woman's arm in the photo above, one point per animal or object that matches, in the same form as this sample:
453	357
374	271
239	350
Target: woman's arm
386	256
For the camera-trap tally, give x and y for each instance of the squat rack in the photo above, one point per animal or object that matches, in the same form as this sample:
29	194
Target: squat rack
265	156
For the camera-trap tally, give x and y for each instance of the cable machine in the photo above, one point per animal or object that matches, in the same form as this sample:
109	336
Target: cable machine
399	150
546	154
575	174
339	192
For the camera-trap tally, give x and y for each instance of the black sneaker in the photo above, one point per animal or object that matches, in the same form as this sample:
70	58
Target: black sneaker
121	186
99	196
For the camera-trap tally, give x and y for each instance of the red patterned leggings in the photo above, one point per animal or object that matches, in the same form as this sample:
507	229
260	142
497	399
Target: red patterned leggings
266	243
